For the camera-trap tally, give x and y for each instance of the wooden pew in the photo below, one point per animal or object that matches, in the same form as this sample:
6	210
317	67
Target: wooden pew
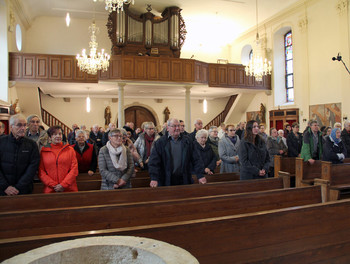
285	167
75	199
334	179
138	182
85	218
306	173
304	234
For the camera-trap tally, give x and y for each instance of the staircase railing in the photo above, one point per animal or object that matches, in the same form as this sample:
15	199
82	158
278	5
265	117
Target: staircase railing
50	120
222	115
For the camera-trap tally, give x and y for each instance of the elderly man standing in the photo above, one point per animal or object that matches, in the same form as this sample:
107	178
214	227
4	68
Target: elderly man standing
144	143
96	136
171	159
345	137
34	132
19	159
198	125
312	148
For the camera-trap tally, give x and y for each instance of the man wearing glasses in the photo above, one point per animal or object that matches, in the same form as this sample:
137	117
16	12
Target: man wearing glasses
19	159
172	157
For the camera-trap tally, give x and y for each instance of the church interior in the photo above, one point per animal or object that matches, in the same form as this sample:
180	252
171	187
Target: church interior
186	59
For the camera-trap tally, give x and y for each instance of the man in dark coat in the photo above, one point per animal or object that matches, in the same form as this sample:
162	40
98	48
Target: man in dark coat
198	125
171	158
345	137
19	159
96	136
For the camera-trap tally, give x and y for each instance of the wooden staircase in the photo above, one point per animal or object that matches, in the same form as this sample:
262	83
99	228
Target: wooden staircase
50	120
221	116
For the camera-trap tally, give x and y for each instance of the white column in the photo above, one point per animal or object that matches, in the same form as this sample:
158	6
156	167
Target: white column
121	115
188	109
3	52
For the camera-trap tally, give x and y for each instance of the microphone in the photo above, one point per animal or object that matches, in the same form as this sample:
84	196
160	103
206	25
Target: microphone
338	58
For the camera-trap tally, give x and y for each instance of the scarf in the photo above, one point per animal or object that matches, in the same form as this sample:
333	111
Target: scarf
333	135
121	162
149	140
233	139
215	141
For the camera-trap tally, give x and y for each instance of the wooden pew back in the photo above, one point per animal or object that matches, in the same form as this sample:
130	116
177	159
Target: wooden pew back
76	219
336	174
306	173
63	200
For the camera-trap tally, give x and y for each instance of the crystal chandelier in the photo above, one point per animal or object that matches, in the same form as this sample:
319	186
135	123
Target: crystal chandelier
115	5
258	66
94	61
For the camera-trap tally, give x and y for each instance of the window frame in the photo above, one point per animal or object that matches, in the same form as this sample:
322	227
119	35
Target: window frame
286	62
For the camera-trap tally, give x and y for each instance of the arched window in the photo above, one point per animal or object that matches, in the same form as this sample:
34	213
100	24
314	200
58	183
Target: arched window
288	57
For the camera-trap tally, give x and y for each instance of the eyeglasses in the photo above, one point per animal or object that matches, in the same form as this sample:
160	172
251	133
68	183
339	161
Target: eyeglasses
231	130
175	125
116	136
150	128
21	125
35	121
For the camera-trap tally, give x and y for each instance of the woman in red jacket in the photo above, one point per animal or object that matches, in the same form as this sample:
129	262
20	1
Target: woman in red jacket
58	164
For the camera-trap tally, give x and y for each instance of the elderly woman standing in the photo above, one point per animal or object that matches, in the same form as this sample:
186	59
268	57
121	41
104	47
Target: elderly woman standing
228	150
334	149
205	152
85	153
115	162
58	164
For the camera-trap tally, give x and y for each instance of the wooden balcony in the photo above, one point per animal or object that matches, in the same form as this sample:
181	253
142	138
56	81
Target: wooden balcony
63	68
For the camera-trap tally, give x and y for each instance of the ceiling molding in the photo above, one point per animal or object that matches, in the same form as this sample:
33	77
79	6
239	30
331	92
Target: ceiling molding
22	14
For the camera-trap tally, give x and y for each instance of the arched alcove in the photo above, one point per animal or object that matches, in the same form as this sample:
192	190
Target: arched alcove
139	114
245	54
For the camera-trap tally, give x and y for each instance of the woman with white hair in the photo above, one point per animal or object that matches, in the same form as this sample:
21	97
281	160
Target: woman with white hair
228	150
205	152
85	152
281	137
115	162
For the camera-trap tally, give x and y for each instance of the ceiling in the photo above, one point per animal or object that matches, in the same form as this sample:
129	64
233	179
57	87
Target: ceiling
239	16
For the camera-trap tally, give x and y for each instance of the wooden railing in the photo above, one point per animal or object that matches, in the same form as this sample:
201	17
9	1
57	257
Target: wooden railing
222	115
51	120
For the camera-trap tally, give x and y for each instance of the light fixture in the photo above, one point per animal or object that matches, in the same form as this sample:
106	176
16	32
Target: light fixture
205	106
258	66
94	61
115	5
88	102
67	19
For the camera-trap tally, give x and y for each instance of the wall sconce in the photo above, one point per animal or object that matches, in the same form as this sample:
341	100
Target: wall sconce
345	117
304	120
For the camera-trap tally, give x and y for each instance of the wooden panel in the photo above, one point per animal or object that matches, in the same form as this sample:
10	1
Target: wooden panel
91	77
78	74
41	67
205	74
54	68
222	75
15	67
176	70
67	68
197	71
188	70
128	68
140	68
164	69
213	75
104	75
28	69
115	66
231	76
240	76
250	80
152	69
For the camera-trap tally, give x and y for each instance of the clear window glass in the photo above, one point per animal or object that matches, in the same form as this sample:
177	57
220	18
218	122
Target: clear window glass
18	37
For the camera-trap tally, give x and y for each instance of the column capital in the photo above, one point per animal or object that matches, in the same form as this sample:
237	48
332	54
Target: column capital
121	85
188	87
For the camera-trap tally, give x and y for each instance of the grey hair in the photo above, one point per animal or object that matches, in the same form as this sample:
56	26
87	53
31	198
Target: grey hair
346	123
279	131
196	121
80	131
14	118
212	128
96	125
148	124
29	118
115	131
171	120
122	131
201	132
337	124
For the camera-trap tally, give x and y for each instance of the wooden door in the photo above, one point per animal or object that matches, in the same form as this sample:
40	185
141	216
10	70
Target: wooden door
138	115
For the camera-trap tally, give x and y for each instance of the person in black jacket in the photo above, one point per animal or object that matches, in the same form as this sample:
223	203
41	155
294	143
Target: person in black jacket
205	152
96	136
198	125
294	141
334	149
172	157
345	137
19	159
253	155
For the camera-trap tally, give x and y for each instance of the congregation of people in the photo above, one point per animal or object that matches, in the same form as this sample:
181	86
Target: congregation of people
170	154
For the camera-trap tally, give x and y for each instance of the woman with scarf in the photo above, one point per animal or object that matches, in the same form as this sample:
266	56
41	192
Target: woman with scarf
275	146
228	150
58	164
334	149
144	143
204	152
115	162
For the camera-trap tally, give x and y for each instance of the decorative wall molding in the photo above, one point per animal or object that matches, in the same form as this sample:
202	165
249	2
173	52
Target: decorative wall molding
22	13
303	23
342	6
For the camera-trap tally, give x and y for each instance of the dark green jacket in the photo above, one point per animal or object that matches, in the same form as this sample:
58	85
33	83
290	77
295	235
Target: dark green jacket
308	145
